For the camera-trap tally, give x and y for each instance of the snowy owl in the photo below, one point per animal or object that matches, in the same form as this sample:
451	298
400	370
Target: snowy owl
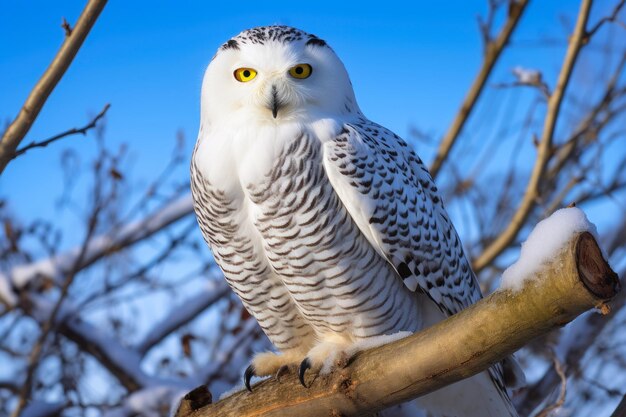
327	225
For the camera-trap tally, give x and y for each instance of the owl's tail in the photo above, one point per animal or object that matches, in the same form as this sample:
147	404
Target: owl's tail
477	396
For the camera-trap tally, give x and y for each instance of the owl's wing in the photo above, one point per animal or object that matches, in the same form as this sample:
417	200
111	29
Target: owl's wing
391	196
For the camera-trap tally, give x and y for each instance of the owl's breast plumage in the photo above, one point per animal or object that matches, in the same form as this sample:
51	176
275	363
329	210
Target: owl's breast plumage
292	233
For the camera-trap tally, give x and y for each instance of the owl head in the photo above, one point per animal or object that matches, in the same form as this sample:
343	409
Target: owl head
275	74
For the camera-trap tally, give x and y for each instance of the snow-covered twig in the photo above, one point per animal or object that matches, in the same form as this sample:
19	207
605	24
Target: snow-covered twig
149	402
228	351
48	324
526	77
97	248
183	314
43	409
123	362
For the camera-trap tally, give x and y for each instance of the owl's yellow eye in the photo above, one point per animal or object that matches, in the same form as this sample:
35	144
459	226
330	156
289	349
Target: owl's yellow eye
244	74
301	71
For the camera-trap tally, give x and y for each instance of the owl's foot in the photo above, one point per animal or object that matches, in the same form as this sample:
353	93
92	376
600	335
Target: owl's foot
269	363
327	356
337	352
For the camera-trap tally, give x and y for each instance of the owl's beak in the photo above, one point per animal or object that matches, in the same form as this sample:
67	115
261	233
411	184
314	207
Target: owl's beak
275	103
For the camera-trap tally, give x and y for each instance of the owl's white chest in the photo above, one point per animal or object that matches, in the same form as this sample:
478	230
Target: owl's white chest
238	156
275	178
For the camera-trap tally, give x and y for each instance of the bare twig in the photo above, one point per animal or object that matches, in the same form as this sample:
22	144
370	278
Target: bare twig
66	27
545	147
606	19
486	24
493	49
566	151
542	88
47	326
16	131
572	346
74	131
620	411
558	368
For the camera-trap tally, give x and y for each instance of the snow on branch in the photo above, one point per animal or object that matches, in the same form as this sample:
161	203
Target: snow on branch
547	238
121	361
148	402
97	248
576	280
43	409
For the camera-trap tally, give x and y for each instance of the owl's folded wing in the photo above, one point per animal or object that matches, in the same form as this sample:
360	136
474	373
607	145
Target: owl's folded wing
392	198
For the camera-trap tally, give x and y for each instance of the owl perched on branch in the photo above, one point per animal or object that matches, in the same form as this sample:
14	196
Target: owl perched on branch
327	226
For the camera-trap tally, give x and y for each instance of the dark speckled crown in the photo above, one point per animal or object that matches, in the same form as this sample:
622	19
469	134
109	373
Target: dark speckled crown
261	35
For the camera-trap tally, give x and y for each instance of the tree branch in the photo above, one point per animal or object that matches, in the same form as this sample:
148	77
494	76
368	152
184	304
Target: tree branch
49	323
577	280
620	411
607	19
48	81
544	152
493	49
100	246
558	369
573	345
82	130
183	314
122	362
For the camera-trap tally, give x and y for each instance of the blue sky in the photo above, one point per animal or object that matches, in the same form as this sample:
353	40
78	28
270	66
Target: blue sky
410	63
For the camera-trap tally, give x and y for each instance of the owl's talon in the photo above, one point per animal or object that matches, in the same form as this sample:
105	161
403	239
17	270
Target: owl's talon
306	364
247	376
281	371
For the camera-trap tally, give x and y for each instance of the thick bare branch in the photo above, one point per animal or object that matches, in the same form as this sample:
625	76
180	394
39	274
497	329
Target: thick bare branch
493	49
575	281
544	150
39	94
